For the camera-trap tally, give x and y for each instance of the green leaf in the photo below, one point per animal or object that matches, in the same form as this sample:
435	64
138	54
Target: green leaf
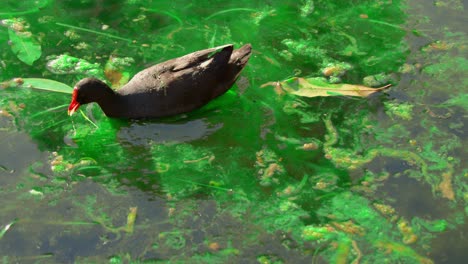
25	47
47	85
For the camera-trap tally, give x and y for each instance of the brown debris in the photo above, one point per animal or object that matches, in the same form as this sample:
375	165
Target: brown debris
446	186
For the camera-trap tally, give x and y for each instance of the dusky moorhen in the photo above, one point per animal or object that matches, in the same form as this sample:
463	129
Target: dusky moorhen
172	87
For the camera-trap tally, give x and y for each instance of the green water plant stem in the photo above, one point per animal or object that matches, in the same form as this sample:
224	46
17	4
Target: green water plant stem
386	24
52	109
7	227
92	31
169	14
48	124
416	32
87	119
205	185
230	10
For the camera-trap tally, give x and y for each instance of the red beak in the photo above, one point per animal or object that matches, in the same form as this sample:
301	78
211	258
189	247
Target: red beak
74	103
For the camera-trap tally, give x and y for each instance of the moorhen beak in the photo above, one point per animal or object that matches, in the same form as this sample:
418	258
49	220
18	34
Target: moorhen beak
172	87
74	103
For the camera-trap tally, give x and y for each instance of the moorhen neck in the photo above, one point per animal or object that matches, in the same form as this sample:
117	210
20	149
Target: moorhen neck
172	87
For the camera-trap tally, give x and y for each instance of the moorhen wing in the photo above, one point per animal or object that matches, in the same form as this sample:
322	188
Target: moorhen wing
172	87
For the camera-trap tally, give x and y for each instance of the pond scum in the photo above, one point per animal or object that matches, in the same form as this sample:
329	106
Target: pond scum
301	162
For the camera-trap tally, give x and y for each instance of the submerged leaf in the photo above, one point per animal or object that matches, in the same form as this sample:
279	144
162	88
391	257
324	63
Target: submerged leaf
7	227
25	47
131	219
47	85
313	87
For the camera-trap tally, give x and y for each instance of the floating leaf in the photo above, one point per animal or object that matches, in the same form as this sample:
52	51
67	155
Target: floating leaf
25	47
313	87
47	85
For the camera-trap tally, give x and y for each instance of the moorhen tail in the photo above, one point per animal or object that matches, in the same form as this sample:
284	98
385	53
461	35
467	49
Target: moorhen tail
172	87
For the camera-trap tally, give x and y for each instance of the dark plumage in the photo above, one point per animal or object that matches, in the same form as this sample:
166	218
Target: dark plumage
172	87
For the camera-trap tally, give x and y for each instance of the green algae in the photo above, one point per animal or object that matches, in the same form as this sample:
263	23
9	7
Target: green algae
459	101
269	178
65	64
350	217
402	110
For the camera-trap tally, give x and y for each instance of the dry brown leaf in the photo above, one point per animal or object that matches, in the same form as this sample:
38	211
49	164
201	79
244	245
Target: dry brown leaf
312	87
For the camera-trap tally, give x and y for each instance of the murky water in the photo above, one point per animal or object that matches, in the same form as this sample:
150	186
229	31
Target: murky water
287	167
